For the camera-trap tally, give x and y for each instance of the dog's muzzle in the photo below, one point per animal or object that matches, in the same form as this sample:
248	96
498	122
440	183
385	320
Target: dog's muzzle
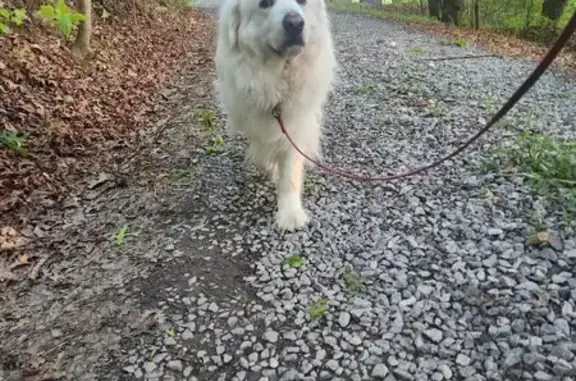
293	25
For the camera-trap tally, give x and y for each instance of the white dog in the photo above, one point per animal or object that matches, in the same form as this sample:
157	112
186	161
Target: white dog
276	53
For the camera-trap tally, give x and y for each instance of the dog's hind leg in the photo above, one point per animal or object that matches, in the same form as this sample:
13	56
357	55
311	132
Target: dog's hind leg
290	214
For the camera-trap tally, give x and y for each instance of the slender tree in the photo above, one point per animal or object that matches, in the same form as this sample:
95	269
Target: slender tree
82	43
451	11
434	8
477	14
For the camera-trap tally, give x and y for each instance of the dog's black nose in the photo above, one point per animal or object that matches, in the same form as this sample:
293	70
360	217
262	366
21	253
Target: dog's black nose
293	24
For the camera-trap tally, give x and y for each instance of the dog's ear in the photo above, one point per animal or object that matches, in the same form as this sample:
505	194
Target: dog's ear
230	21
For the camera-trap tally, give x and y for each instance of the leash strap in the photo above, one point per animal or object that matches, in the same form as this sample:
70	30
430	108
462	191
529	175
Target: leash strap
520	92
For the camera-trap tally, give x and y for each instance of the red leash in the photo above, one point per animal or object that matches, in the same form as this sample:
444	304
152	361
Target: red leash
522	90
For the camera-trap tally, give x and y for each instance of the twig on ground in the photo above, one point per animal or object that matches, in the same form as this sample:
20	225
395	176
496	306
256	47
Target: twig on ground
467	57
34	273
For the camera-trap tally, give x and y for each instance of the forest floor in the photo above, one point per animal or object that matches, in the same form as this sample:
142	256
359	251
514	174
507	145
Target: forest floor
157	257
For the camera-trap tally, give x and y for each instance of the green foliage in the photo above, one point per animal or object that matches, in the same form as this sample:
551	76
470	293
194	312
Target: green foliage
14	141
548	164
295	261
171	332
208	118
318	309
216	146
61	16
352	280
119	237
417	50
458	41
524	18
11	17
367	88
182	177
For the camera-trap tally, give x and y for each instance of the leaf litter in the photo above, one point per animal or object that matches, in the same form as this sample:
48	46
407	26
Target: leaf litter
74	115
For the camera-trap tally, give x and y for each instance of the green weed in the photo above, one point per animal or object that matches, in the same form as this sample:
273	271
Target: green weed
417	50
318	309
61	16
216	145
352	280
182	177
208	118
11	17
365	89
295	261
456	41
14	141
119	236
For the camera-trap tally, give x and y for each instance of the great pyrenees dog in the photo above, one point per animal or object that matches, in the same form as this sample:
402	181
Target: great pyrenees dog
276	53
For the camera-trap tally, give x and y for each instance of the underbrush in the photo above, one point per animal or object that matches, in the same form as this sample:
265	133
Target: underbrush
60	118
547	164
511	42
539	30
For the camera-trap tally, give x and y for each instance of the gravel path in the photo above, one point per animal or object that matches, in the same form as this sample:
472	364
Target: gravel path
435	283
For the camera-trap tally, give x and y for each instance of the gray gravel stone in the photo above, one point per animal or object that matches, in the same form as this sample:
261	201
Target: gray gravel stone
463	360
344	319
271	336
149	367
380	371
434	335
175	365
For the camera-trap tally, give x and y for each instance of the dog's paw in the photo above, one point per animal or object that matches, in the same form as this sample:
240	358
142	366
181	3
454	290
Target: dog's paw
289	219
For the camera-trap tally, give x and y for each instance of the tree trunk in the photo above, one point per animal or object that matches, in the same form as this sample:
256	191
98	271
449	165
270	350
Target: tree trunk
477	14
553	9
82	43
434	7
451	11
422	8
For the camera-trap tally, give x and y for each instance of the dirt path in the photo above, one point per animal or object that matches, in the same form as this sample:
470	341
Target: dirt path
435	283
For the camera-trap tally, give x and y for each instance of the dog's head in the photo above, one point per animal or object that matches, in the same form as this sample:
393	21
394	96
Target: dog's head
262	27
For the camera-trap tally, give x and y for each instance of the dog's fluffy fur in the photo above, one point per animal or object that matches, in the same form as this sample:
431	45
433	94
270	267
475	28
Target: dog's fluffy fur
257	69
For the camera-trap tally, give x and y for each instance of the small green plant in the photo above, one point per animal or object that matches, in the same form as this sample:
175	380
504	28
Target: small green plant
208	118
181	177
318	309
488	196
14	141
171	332
11	17
457	41
61	16
417	50
461	42
368	88
119	237
295	261
352	280
152	354
216	145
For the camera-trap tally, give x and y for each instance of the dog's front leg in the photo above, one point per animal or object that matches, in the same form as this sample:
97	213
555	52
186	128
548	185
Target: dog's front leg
291	214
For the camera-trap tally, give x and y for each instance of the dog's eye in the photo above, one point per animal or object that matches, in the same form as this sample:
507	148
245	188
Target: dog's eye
301	2
266	4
